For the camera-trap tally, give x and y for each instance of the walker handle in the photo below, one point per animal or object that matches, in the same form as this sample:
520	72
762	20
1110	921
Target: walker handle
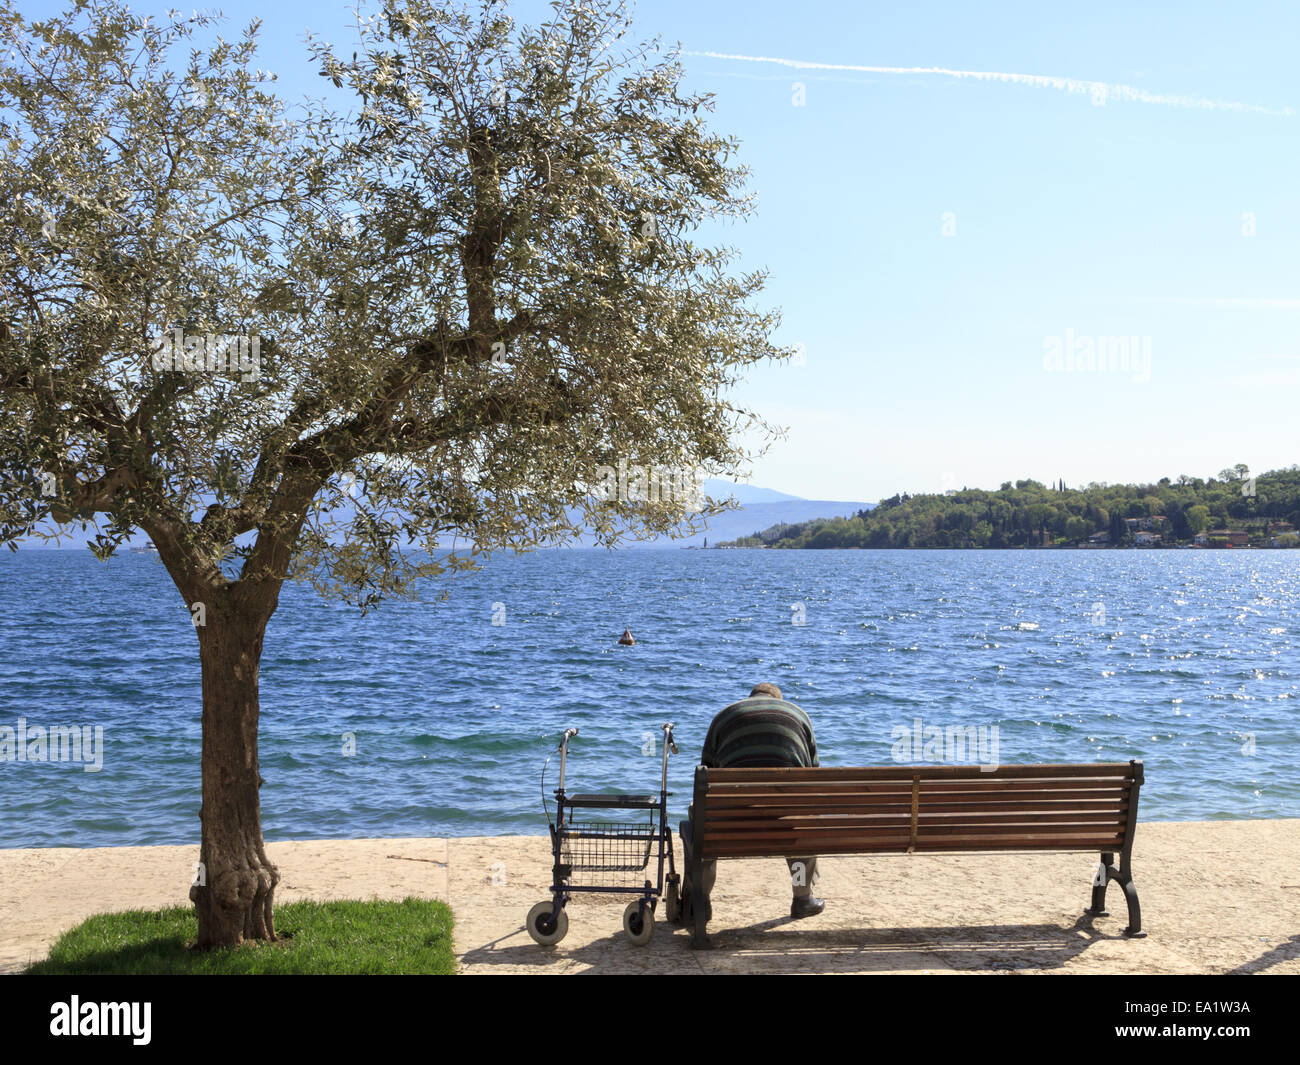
564	752
668	736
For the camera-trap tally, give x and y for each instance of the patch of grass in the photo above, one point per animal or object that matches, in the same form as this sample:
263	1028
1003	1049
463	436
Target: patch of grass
411	936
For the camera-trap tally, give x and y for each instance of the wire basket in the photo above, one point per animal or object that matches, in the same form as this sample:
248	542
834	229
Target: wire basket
608	847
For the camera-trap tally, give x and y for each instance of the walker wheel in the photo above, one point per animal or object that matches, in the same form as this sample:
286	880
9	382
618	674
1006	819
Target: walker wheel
672	902
639	923
547	930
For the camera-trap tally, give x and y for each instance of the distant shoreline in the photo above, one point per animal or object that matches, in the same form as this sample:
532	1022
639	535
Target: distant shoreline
1233	510
1008	547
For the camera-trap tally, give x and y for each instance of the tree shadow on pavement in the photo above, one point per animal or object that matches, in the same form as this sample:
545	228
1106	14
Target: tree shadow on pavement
1282	952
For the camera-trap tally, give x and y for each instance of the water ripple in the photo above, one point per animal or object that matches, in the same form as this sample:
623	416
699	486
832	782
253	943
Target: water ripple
428	719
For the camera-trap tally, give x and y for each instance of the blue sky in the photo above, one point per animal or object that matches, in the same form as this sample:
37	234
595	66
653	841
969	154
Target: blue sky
1069	218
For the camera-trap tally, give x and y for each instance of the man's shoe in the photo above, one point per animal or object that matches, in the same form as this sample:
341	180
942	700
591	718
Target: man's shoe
806	907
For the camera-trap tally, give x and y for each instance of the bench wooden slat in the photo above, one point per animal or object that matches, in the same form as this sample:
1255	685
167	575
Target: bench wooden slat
722	777
796	818
1011	821
758	806
904	799
900	847
781	847
804	838
720	841
904	787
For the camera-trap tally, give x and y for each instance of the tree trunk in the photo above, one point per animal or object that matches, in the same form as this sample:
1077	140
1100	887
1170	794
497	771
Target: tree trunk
235	887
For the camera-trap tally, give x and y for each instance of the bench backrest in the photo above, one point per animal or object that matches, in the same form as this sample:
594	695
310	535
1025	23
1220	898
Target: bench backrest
741	813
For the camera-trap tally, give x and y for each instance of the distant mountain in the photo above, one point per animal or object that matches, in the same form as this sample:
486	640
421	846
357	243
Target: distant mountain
753	517
761	508
745	493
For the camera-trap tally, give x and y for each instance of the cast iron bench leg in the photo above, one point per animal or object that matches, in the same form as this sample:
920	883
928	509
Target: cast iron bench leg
1134	929
1124	877
1098	907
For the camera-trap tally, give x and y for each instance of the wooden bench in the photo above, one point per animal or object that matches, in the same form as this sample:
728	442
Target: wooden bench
760	813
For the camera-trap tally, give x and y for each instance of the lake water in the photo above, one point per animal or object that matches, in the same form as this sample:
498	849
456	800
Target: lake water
1187	659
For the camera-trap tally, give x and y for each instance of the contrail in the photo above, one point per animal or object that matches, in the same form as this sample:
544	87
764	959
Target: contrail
1253	303
1101	92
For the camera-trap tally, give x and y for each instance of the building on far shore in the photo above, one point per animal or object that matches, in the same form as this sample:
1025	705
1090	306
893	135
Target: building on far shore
1224	538
1282	534
1156	522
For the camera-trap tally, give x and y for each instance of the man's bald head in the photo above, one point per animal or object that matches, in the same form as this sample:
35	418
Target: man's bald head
769	690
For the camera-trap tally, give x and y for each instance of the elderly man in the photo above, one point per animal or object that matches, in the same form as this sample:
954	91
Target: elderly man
764	731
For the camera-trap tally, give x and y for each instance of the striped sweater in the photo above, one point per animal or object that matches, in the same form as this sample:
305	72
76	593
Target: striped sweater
761	732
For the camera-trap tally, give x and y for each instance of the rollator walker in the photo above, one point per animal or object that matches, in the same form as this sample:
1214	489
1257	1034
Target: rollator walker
609	856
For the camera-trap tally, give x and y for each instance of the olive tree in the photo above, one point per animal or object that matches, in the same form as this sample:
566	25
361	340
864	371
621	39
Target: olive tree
310	341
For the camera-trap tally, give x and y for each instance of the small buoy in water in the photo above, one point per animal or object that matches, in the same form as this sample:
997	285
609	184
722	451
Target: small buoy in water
626	639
